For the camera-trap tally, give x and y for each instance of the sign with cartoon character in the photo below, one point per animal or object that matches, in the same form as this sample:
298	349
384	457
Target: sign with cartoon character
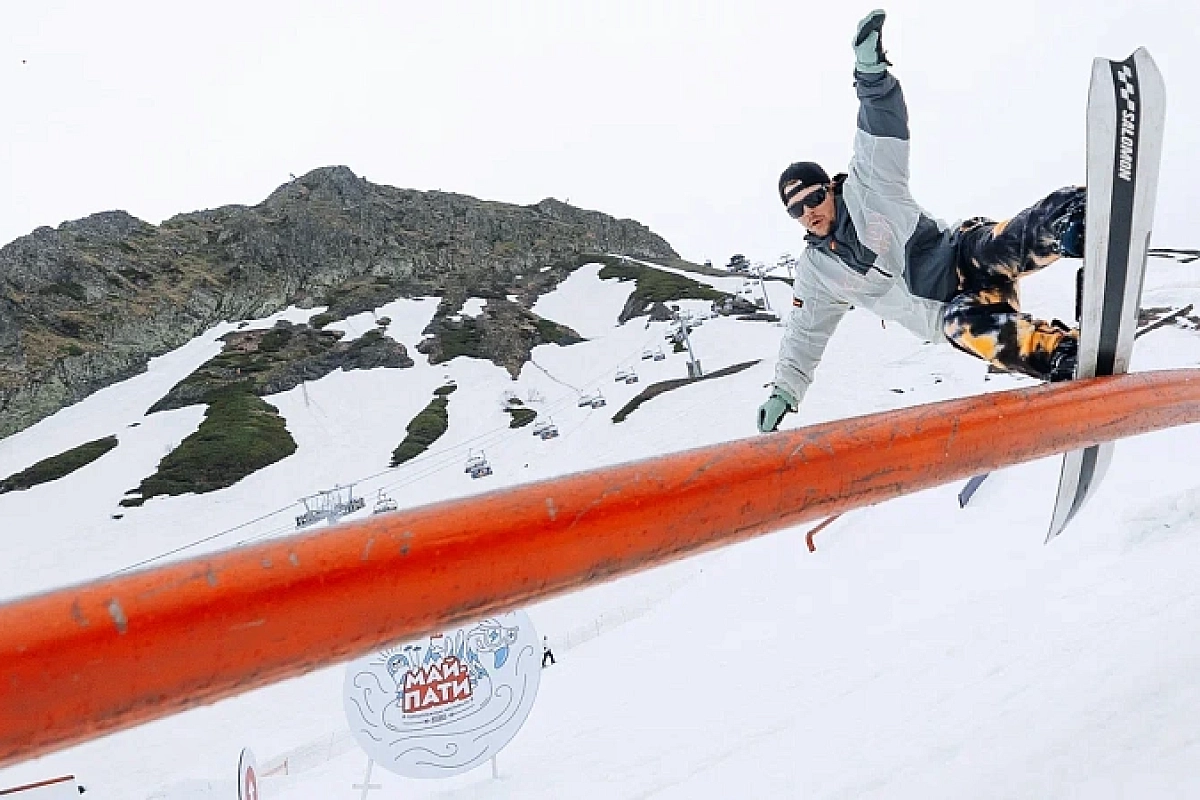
447	703
248	776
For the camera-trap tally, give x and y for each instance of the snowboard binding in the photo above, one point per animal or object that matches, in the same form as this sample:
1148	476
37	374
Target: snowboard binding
1069	230
1064	359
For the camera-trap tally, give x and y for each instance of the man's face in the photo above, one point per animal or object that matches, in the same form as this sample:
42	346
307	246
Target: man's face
819	220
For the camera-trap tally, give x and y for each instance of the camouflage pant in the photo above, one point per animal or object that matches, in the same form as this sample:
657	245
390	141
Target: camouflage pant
985	318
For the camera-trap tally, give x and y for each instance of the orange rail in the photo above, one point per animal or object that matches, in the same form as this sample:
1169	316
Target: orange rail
79	662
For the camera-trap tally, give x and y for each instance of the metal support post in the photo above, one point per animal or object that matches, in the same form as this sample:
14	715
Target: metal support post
366	785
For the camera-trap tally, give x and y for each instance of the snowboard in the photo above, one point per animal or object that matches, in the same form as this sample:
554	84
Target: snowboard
1125	115
968	490
966	494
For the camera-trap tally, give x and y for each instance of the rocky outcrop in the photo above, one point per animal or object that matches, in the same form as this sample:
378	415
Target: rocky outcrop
504	333
89	303
265	362
654	287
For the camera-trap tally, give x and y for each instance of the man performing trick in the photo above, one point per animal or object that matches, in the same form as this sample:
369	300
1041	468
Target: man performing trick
871	245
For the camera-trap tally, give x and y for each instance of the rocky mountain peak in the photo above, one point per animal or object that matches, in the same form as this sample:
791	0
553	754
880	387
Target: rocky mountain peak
556	209
89	304
331	184
106	227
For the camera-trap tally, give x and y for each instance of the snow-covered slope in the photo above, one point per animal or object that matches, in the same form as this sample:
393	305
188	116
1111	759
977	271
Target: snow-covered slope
922	651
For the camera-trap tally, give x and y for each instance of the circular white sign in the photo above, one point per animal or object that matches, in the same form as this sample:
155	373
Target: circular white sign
446	703
247	776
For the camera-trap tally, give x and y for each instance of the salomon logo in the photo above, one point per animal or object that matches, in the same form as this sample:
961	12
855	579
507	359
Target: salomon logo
1128	123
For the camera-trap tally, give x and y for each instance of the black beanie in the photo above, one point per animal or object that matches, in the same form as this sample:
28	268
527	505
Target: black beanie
807	173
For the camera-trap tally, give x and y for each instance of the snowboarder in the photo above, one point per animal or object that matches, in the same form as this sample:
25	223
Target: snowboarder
547	654
870	244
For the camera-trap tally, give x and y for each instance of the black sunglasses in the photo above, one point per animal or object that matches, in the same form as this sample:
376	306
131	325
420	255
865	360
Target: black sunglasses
796	210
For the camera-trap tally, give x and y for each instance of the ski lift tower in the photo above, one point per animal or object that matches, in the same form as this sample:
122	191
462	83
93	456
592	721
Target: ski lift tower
788	261
760	270
342	501
693	366
330	504
315	510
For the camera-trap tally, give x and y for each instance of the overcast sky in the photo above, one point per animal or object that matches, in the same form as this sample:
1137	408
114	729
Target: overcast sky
678	114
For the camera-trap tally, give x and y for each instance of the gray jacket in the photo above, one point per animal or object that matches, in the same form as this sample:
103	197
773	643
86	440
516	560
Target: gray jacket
884	252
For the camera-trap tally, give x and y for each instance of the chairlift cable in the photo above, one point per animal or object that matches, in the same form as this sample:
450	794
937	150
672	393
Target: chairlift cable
199	541
426	460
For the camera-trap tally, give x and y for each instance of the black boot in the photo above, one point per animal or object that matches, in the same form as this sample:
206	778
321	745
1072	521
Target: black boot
1070	230
1064	359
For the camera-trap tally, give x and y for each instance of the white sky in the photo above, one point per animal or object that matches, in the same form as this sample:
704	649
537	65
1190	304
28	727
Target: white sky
680	115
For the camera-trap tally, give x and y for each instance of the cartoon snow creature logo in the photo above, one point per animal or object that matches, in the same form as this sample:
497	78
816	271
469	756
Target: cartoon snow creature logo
429	707
490	636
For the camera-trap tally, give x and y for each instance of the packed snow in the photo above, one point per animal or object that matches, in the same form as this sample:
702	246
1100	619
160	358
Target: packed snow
472	307
922	651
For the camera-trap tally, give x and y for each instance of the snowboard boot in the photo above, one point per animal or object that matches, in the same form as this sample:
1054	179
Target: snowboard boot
1069	229
1064	358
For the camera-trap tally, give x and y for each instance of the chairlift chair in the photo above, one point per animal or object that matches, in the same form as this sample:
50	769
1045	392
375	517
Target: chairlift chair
383	504
647	354
585	400
598	401
474	460
632	378
545	430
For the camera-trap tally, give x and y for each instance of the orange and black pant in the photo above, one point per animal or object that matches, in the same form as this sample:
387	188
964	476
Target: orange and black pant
985	318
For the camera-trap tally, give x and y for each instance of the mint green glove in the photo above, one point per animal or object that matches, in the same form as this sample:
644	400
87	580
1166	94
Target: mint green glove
771	412
868	43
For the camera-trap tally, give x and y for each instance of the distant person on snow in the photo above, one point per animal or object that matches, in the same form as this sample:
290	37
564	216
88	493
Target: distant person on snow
871	245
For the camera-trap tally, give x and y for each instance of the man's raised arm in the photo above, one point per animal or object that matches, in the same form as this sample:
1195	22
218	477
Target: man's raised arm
881	157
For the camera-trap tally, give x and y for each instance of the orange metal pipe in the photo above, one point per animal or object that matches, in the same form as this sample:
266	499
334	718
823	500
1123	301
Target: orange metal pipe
83	661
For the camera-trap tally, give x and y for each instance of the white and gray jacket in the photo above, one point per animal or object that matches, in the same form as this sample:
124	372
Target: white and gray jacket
884	252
